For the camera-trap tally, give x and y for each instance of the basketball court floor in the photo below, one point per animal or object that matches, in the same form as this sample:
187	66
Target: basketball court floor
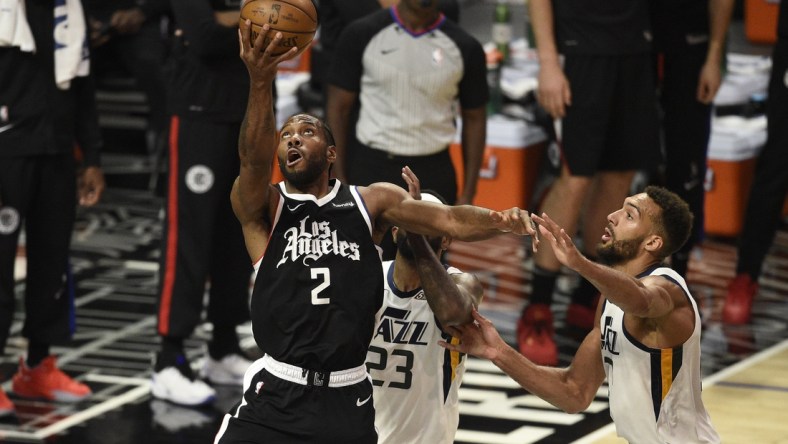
115	256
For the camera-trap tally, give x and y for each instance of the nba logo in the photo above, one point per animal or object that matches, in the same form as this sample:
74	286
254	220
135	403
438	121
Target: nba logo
318	379
273	17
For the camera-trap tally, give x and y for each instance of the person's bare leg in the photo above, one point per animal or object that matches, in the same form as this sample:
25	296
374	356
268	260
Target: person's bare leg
563	203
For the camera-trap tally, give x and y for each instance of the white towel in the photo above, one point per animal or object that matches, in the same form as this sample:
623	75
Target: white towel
14	29
71	43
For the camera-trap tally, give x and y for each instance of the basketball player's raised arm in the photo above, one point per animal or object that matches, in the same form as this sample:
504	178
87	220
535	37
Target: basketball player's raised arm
257	141
450	297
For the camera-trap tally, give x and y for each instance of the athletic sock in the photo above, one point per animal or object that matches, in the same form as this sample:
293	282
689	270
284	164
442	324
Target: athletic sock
542	286
171	354
36	352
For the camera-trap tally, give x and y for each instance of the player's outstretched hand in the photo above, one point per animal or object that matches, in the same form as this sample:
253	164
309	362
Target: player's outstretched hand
260	62
516	221
479	338
564	249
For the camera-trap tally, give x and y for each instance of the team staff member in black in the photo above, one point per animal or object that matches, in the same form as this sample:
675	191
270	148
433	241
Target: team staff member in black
319	282
769	187
40	124
689	41
202	240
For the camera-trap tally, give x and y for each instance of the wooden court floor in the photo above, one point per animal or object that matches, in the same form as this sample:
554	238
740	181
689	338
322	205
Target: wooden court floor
115	252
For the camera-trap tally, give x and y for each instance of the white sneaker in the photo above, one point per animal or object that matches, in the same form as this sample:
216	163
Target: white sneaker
229	370
171	385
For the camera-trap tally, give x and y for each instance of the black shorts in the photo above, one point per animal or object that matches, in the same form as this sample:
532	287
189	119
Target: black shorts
274	410
613	122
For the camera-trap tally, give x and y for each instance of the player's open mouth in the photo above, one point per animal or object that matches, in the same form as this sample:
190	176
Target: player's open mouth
293	156
607	235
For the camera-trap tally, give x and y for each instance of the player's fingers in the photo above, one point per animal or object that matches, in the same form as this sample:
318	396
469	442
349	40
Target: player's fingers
287	55
447	346
243	35
479	318
547	234
260	39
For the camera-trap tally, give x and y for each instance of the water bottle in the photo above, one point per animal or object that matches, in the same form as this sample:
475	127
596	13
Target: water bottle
502	29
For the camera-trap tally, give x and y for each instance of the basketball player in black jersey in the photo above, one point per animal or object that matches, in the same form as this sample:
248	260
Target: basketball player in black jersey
319	282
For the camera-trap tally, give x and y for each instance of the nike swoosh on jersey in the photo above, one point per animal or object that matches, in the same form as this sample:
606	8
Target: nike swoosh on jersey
388	51
359	402
5	128
295	207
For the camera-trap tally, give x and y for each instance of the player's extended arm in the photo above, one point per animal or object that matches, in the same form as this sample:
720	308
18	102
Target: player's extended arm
390	205
570	389
257	141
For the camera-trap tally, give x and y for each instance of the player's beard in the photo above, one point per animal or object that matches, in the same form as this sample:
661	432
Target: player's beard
308	175
618	251
404	248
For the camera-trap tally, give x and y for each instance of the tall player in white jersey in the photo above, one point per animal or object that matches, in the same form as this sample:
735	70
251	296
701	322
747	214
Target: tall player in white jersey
646	337
415	381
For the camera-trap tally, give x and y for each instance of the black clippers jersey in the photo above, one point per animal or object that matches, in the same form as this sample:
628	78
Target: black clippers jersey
319	284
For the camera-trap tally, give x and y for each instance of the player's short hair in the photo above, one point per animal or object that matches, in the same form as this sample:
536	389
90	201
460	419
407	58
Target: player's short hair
319	123
674	223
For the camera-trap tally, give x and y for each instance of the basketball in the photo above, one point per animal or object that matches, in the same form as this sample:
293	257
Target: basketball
295	19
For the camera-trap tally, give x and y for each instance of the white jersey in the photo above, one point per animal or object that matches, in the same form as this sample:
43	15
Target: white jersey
659	398
415	380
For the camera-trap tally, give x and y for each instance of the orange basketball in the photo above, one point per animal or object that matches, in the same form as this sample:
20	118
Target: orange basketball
295	19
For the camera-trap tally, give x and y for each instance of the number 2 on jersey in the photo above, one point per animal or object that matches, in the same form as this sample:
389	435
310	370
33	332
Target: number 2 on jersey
324	274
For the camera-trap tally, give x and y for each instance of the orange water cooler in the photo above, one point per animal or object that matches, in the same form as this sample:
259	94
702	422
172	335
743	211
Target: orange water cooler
760	20
511	162
733	151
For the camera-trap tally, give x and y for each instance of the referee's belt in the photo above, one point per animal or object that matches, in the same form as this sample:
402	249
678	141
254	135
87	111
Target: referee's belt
314	378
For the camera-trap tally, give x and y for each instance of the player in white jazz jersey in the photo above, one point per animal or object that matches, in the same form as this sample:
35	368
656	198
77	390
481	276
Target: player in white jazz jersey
647	329
415	381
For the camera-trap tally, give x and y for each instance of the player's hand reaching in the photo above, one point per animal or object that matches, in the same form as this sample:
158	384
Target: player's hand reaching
564	249
479	338
259	58
517	221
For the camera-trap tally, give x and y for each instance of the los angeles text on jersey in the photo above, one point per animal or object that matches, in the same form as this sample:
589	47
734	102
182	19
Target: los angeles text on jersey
311	240
395	328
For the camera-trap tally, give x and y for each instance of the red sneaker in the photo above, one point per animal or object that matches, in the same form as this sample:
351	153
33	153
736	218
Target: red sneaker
535	335
46	381
738	303
6	406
